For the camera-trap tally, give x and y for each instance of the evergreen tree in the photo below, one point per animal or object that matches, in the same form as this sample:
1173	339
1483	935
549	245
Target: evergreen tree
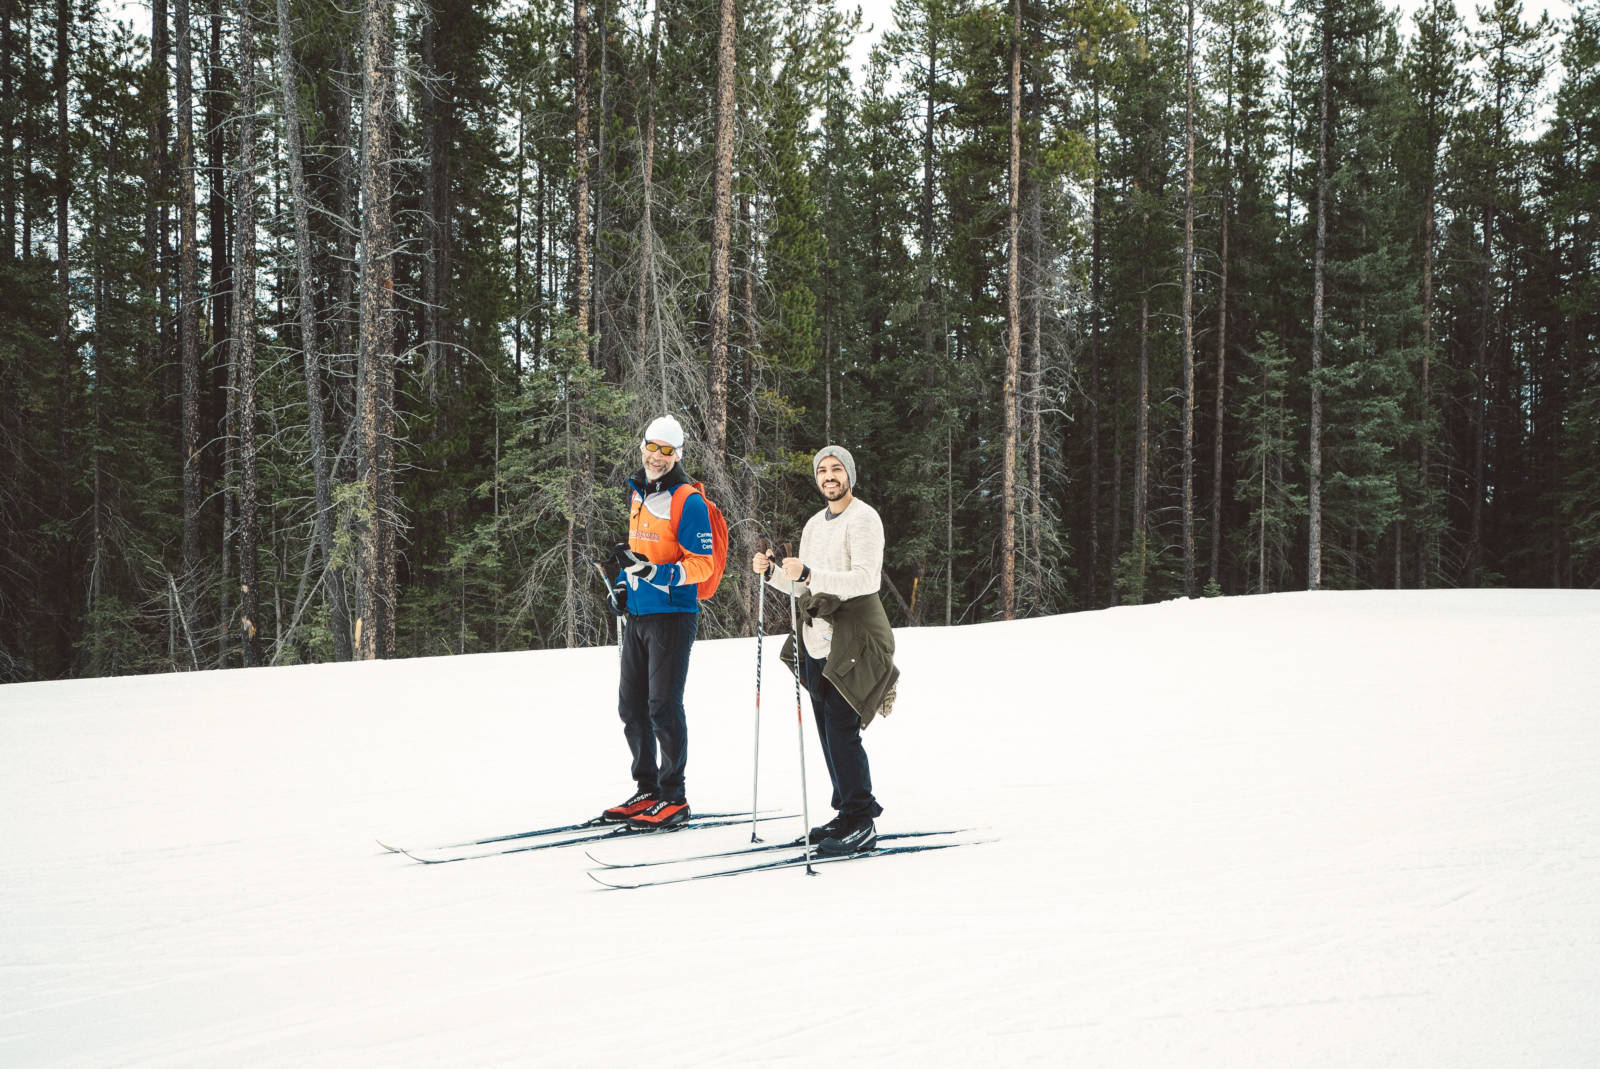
1245	225
1570	180
1492	173
1269	471
1146	245
1435	82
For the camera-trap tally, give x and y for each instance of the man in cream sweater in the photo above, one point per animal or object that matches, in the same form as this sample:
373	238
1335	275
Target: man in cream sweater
841	553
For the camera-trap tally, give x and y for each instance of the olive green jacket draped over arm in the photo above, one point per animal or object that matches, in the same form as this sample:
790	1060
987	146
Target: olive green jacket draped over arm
861	662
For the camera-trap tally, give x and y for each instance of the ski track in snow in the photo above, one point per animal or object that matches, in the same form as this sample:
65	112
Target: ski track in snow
1334	829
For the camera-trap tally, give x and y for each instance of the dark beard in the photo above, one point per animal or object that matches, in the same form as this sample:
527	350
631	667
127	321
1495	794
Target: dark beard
835	494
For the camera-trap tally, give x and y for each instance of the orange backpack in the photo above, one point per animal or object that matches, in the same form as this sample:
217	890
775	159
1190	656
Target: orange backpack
719	534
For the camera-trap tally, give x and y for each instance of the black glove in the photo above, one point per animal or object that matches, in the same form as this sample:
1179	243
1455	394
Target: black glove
617	598
640	568
619	558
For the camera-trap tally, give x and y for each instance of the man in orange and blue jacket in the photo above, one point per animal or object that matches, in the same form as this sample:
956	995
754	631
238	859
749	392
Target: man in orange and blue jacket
669	552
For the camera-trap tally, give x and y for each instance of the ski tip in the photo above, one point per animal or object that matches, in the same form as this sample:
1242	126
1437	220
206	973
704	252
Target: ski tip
419	859
604	884
387	848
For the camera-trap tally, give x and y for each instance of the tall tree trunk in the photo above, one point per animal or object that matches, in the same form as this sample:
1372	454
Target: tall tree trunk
8	123
377	320
1008	392
25	165
949	523
218	89
244	339
608	353
721	228
1319	268
1220	414
156	184
517	272
1035	304
439	125
752	339
347	283
227	433
1097	313
344	320
580	197
434	222
299	199
570	589
388	519
1261	510
103	371
1480	368
388	501
1429	231
540	215
188	304
61	82
219	398
1141	445
582	300
1424	564
65	563
1188	309
647	226
928	313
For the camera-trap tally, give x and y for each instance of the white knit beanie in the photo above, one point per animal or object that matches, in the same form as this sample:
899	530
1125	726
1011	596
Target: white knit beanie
665	429
844	456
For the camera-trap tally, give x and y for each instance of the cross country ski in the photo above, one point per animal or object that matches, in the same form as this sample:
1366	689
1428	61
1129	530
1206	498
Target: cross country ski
762	849
792	862
551	840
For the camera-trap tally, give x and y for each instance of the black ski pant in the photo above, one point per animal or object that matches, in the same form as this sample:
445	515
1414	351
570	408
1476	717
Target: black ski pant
655	666
839	728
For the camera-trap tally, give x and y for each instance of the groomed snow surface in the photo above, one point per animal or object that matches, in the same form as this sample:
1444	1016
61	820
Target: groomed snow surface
1334	829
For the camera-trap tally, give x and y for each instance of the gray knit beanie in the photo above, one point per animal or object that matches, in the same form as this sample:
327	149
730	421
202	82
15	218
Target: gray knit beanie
844	456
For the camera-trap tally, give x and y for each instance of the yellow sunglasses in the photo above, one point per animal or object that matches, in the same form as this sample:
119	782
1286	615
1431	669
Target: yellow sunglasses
664	450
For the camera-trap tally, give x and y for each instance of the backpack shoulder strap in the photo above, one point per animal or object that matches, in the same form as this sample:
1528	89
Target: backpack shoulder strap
680	495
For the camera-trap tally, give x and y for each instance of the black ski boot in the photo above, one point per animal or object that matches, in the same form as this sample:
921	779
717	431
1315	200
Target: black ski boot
824	831
856	836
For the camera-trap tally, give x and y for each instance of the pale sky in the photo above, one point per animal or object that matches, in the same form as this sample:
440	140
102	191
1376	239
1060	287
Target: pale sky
879	15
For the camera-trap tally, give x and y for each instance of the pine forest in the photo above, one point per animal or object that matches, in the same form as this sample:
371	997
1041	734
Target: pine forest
329	332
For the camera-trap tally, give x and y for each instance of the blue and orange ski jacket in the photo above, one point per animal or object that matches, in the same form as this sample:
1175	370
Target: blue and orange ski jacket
668	525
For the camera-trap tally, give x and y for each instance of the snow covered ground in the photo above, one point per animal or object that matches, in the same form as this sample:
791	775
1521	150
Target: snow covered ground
1336	829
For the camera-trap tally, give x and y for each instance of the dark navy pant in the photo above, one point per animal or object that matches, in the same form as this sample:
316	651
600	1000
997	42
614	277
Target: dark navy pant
655	666
839	728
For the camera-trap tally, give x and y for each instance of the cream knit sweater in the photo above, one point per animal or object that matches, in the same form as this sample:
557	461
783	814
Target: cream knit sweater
845	555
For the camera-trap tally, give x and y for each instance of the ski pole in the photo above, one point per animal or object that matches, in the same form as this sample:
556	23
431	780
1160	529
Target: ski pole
761	633
799	721
605	582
